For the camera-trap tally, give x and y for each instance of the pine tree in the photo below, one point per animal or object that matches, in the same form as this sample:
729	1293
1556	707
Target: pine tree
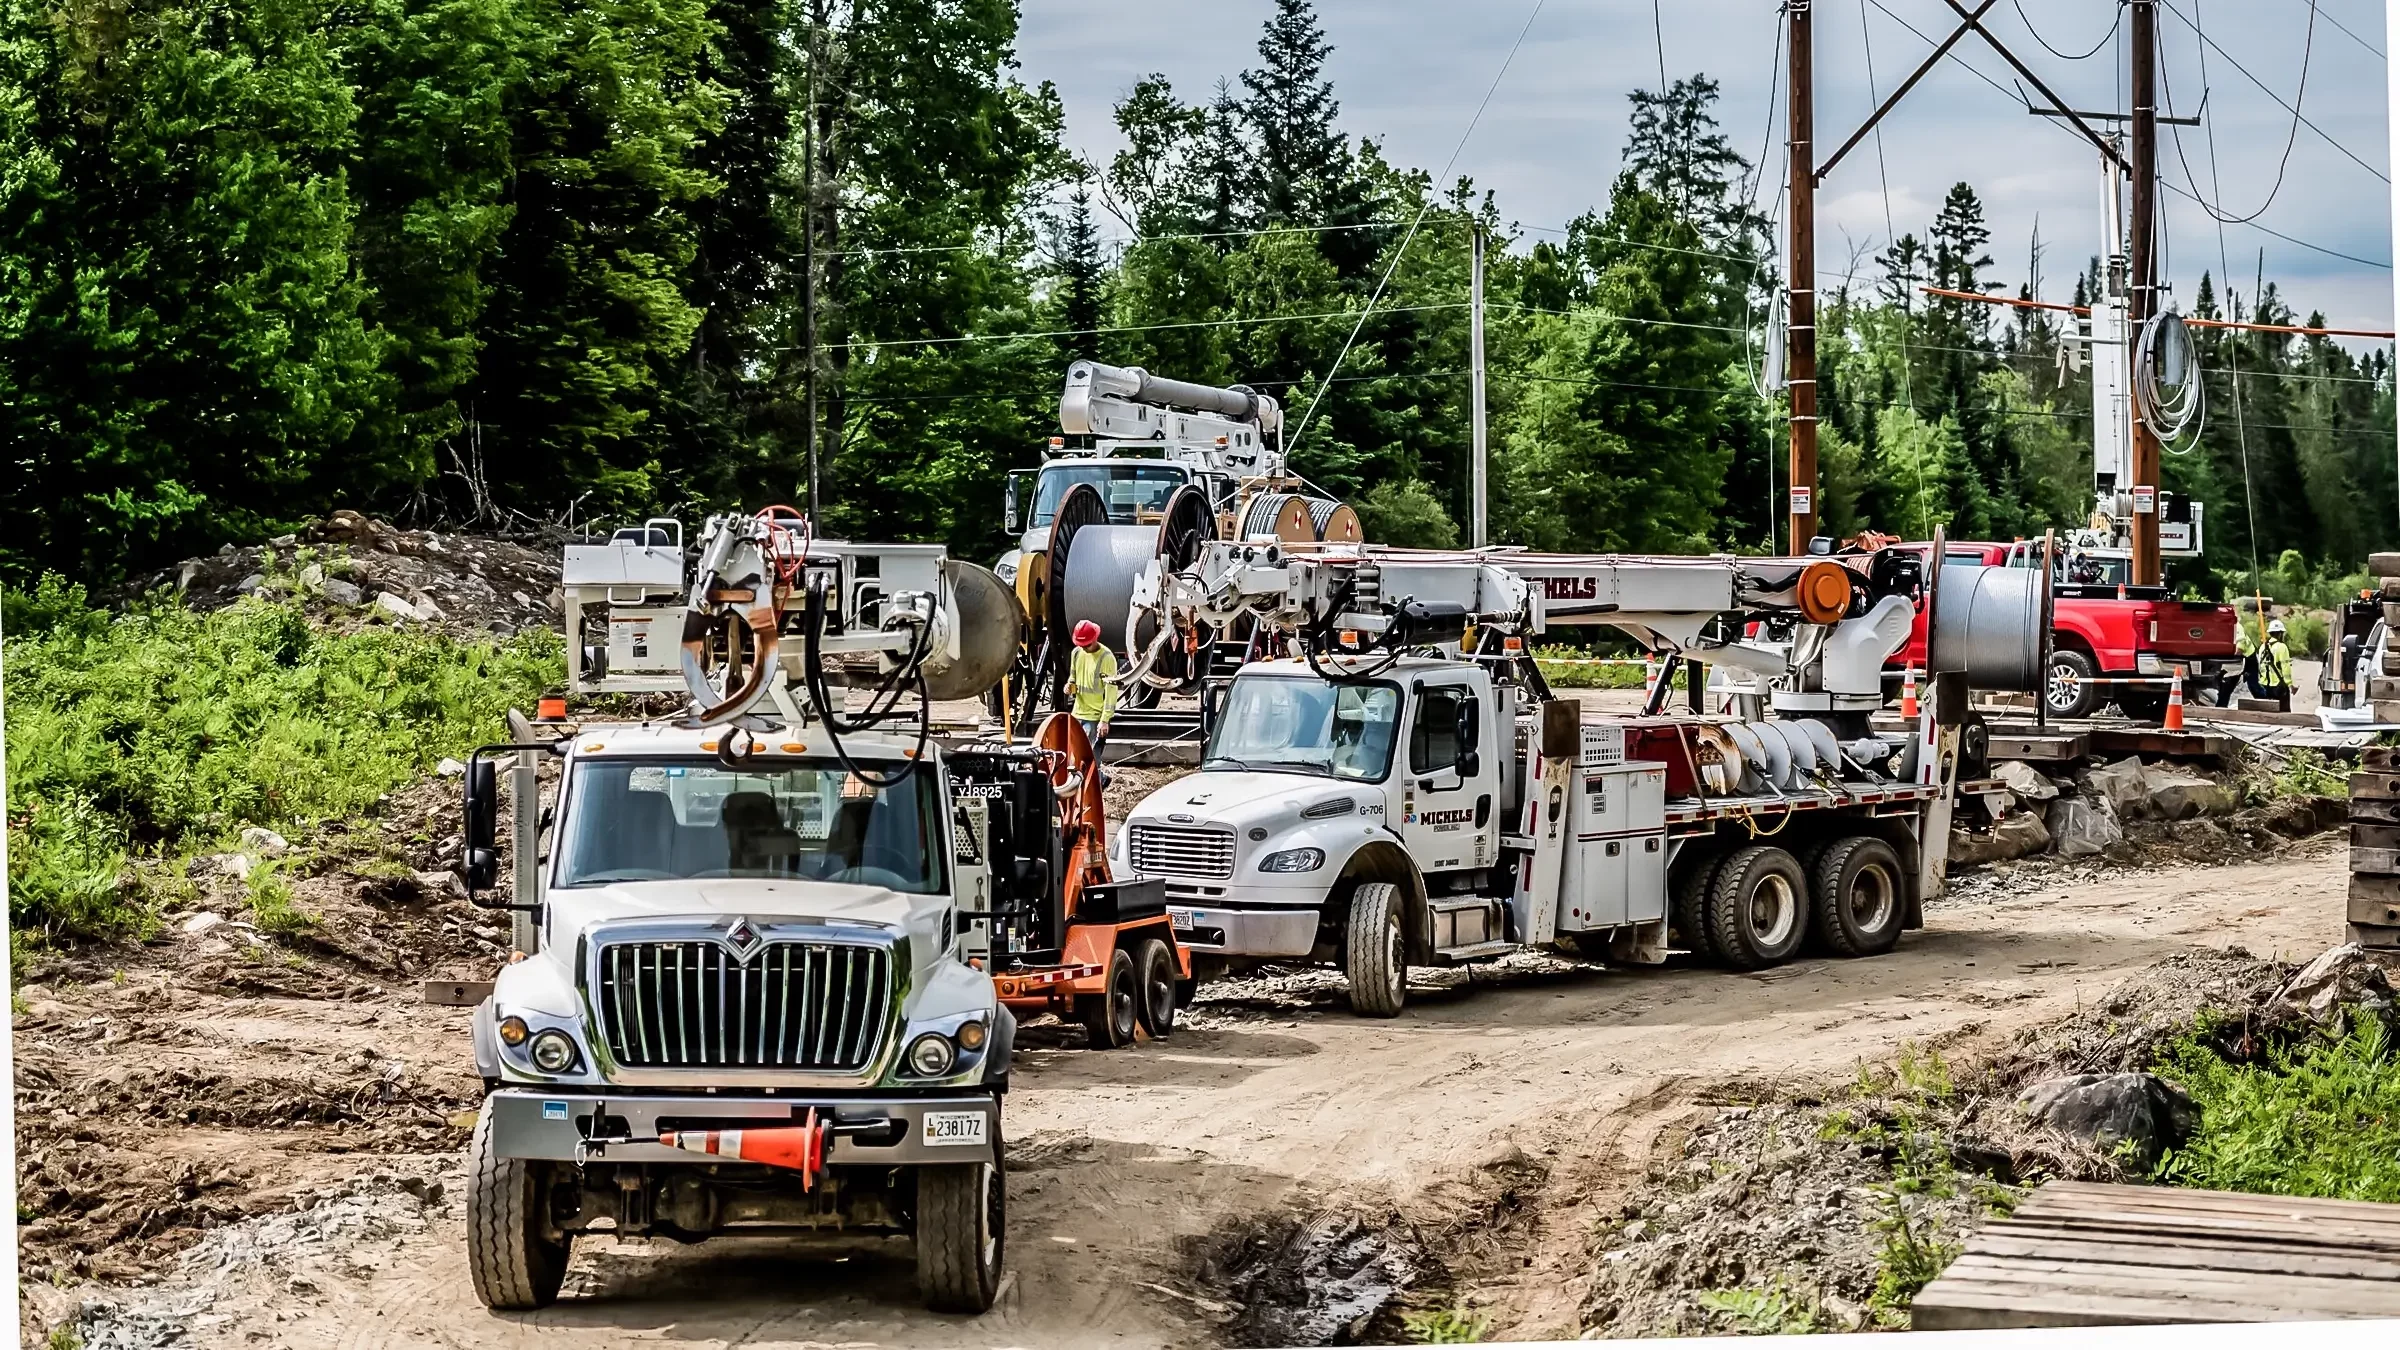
1304	161
1075	255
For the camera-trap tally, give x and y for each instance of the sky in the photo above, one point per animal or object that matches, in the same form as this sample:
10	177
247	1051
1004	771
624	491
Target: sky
1411	73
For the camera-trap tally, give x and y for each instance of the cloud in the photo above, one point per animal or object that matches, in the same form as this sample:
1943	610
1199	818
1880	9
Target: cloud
1410	73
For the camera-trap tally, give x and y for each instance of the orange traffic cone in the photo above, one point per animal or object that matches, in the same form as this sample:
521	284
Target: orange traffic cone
2120	590
1908	693
799	1147
1649	676
2174	720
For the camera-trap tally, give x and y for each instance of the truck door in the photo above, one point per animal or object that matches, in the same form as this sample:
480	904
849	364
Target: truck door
1450	776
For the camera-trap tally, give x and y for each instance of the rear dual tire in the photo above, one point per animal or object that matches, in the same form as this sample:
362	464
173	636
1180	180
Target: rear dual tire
1758	907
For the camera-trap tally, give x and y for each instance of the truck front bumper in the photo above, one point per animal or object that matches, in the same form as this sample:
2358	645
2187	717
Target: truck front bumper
1242	932
868	1131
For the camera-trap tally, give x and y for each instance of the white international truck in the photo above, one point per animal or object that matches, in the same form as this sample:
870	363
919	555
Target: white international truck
1403	789
767	949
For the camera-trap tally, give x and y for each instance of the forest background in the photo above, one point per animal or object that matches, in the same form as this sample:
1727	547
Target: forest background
519	262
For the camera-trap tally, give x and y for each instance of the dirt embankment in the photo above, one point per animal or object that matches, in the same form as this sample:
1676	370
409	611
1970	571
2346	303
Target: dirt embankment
231	1066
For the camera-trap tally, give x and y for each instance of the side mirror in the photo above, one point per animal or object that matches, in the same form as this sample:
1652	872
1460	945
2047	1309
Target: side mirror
481	863
1008	505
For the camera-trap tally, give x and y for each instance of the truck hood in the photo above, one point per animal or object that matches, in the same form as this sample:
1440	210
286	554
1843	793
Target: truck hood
1243	797
817	901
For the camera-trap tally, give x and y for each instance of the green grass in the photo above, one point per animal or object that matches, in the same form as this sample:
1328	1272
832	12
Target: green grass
1555	660
1445	1326
1777	1310
2306	773
2319	1119
161	733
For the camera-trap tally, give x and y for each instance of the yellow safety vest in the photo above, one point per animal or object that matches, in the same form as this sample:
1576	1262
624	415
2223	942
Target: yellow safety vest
2275	665
1091	675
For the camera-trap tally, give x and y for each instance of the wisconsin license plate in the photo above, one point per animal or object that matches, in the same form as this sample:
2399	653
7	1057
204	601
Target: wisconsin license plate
947	1128
1181	919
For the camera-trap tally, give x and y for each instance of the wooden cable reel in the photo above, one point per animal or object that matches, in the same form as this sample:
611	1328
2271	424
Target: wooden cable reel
1279	517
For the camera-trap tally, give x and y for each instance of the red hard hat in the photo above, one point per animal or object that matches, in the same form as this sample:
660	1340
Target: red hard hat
1086	632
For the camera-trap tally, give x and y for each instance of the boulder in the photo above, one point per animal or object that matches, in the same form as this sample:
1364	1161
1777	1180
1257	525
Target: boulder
340	592
2026	781
2325	990
2083	827
394	605
2118	1113
2017	836
428	610
2125	785
2180	794
265	842
449	768
201	923
252	583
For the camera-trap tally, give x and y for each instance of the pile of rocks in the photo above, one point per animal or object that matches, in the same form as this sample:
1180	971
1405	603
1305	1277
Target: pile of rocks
2083	814
351	570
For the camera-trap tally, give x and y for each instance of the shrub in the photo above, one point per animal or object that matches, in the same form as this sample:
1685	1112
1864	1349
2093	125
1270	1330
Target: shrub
2318	1119
159	732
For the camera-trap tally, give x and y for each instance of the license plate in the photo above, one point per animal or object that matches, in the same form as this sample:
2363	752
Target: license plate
944	1129
1181	919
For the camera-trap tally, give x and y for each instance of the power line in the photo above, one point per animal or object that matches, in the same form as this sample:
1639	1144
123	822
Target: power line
1402	251
2188	195
2105	38
871	343
2169	6
2291	139
2354	37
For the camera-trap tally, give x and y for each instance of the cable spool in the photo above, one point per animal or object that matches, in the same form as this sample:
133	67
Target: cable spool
2167	389
1987	623
1279	517
990	627
1098	581
1335	522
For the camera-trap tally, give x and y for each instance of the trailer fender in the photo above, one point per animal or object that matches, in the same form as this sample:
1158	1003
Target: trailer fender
1380	860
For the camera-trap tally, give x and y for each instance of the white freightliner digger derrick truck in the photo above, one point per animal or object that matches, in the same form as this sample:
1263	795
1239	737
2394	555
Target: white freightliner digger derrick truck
768	949
1403	789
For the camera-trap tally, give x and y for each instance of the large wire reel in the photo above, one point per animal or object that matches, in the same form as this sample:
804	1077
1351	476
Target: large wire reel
1097	582
2167	388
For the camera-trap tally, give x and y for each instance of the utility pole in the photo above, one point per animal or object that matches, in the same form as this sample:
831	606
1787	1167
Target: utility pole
1800	349
2142	286
2392	103
1475	365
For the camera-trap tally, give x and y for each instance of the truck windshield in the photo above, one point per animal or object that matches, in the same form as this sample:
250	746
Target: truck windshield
648	820
1132	493
1303	726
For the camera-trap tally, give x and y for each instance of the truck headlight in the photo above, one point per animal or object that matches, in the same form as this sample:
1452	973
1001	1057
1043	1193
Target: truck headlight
1293	860
553	1052
931	1055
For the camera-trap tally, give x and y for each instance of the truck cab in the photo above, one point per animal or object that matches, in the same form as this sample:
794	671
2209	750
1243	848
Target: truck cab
1310	789
727	952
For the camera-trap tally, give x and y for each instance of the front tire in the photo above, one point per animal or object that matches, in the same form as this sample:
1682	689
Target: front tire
1160	994
2071	686
1109	1017
1758	908
514	1262
1859	897
962	1234
1375	953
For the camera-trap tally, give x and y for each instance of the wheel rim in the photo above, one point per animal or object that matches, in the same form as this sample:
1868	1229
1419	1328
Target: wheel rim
1773	911
2065	686
1394	955
1162	994
1872	898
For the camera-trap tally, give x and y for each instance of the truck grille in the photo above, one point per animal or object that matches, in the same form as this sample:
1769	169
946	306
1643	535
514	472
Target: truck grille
1173	851
813	1006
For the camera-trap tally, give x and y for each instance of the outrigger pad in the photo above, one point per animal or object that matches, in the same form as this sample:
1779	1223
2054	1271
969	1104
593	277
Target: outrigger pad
1122	902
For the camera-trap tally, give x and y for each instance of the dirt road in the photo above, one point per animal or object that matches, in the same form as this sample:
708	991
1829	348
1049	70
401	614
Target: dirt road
1493	1116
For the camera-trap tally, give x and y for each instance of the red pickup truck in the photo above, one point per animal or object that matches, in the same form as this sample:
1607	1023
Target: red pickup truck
2103	631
